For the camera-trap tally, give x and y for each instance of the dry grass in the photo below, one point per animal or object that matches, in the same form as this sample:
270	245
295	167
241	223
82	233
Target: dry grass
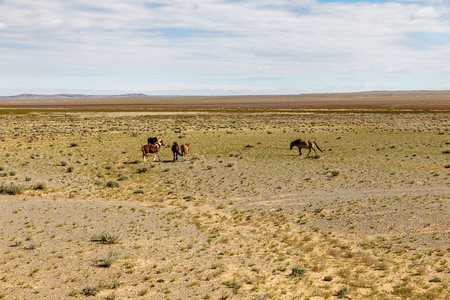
242	218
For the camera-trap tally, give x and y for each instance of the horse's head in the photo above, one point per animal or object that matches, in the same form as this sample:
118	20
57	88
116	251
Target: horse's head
162	142
292	145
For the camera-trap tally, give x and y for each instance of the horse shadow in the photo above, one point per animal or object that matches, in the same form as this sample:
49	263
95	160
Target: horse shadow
168	161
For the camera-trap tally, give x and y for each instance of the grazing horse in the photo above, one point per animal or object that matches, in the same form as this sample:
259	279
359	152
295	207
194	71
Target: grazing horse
152	140
184	150
176	151
152	148
305	144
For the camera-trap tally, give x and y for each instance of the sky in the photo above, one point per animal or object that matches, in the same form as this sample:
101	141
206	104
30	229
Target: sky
222	47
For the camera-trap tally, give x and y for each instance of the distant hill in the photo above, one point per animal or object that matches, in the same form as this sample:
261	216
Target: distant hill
392	100
59	96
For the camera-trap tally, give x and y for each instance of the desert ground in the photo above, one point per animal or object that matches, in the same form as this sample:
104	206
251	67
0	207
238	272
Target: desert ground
241	216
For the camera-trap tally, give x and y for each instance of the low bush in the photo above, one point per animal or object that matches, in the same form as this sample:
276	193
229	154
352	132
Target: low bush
12	189
106	237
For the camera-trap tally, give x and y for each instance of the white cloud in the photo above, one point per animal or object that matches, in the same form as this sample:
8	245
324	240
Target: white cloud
427	13
219	37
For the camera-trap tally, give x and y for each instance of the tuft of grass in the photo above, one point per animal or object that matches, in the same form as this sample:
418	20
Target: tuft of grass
90	290
33	246
142	170
109	259
113	184
298	272
107	237
40	186
342	292
403	291
18	242
111	296
234	284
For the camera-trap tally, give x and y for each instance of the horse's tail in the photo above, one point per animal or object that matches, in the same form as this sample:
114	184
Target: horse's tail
317	146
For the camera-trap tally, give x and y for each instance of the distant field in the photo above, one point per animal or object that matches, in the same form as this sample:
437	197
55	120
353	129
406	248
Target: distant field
417	100
242	216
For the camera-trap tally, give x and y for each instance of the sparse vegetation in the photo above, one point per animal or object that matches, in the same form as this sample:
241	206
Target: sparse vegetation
242	217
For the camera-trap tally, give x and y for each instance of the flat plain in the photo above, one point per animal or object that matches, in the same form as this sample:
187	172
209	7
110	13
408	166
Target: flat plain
241	216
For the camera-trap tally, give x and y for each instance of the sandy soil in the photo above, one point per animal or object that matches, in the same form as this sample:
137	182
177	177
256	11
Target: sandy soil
241	217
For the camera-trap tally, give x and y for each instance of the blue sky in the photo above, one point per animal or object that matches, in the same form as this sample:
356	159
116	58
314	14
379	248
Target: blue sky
222	47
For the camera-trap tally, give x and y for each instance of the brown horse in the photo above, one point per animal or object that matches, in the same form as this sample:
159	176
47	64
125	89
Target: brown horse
152	148
176	151
184	150
305	144
152	140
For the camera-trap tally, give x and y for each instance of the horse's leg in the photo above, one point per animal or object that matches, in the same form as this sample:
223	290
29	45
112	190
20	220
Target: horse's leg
143	156
309	152
300	150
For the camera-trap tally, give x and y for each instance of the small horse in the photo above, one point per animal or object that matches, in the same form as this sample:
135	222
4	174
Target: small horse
152	148
184	150
176	151
152	140
305	144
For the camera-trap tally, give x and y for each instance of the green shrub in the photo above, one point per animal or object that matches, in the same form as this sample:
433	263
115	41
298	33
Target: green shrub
113	184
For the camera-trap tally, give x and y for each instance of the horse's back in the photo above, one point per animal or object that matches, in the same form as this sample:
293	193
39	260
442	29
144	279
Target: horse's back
152	140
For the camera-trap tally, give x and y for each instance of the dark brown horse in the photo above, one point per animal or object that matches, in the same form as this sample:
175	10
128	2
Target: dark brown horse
184	150
306	145
152	140
176	151
152	148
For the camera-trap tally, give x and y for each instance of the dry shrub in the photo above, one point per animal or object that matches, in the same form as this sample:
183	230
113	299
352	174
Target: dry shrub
106	237
109	258
12	189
